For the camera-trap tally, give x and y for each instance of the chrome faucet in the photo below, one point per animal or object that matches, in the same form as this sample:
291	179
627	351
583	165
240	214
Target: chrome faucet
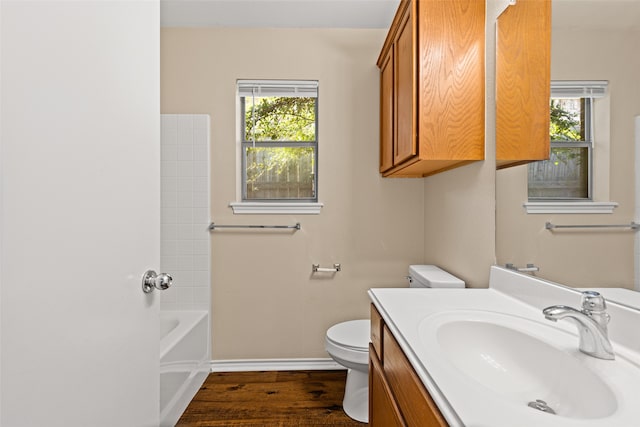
592	323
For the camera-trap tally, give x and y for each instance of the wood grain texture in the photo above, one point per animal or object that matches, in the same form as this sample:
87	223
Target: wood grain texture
405	145
383	410
438	91
523	61
393	29
417	407
386	112
451	79
282	398
415	168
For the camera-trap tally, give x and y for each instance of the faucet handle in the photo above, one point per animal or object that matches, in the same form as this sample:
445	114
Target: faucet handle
592	301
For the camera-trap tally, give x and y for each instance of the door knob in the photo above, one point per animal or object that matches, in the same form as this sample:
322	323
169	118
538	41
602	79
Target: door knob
152	280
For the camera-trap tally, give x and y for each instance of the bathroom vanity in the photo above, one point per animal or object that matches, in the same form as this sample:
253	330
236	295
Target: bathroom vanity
397	396
488	357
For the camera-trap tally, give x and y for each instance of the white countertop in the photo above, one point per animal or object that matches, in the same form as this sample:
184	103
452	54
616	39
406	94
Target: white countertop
465	402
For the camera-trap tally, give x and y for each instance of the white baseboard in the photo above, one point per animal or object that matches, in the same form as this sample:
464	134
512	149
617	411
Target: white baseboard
248	365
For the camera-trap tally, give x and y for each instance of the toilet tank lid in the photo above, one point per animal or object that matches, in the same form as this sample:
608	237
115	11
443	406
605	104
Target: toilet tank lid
432	276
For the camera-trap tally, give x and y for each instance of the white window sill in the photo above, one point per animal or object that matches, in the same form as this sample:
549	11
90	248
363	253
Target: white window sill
570	207
276	208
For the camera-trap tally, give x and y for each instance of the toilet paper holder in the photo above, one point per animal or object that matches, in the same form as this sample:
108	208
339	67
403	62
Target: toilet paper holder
315	268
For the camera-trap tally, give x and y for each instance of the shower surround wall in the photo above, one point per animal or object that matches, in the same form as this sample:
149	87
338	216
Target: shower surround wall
185	241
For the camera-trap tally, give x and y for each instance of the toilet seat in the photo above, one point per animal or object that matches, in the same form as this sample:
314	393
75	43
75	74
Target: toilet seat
353	335
348	343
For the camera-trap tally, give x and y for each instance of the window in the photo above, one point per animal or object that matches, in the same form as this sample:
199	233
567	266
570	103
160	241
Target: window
279	140
568	174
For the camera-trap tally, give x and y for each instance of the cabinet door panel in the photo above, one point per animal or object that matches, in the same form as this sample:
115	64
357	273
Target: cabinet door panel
523	64
383	411
451	79
405	141
386	112
416	406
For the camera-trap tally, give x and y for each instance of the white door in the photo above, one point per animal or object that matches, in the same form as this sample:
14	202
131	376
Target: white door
80	213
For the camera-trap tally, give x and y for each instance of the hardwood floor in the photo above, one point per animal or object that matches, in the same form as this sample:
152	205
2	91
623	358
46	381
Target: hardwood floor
265	399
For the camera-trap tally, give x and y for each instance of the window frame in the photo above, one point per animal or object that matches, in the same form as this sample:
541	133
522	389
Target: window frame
246	143
588	91
587	143
598	91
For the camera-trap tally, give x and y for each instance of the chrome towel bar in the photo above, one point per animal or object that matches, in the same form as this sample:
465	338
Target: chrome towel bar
633	226
214	226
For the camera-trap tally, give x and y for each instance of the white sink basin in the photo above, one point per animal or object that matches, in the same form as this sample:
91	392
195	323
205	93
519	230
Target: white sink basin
521	361
485	354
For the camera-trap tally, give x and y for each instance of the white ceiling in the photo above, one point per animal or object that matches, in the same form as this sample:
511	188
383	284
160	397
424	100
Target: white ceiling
622	14
278	13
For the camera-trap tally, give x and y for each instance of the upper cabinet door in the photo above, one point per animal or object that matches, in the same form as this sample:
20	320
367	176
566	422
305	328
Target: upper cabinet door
405	141
386	112
523	64
451	79
438	93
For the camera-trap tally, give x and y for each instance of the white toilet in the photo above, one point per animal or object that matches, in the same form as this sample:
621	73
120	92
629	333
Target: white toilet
348	342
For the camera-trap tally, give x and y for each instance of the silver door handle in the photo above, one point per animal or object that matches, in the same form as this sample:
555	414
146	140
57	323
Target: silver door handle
152	280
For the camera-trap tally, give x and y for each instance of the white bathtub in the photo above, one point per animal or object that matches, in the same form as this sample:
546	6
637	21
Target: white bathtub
184	360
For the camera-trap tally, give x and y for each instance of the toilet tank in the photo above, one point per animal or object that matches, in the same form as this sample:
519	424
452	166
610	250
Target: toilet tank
431	276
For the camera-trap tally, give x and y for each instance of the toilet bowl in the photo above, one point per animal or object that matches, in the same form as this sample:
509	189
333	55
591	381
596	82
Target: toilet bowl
348	342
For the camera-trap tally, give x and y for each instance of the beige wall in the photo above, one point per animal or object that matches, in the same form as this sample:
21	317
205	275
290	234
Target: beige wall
265	304
595	258
460	222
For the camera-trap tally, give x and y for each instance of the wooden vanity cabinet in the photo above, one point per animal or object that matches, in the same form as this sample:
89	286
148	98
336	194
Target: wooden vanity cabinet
432	87
523	78
383	410
397	396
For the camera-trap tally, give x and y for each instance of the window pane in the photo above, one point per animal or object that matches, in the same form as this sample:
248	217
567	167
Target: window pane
280	173
564	176
280	119
567	120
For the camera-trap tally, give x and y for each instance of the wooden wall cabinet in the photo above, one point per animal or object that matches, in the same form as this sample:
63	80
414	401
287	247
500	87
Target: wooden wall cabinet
397	396
432	87
523	78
